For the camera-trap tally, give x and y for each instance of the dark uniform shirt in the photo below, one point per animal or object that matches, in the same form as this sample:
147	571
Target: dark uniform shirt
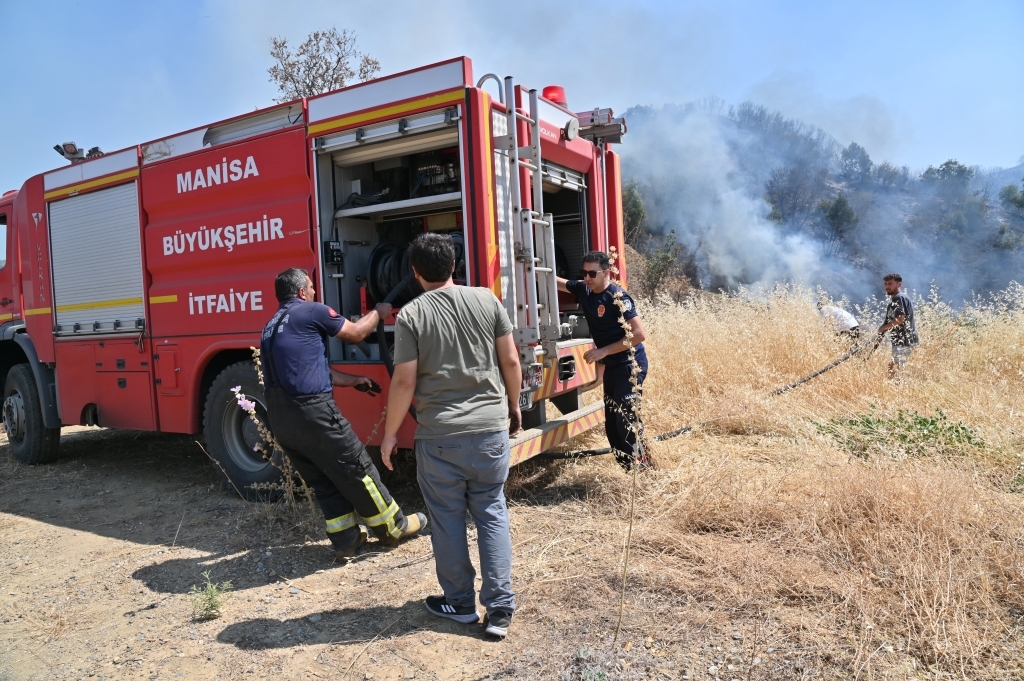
904	335
603	318
294	347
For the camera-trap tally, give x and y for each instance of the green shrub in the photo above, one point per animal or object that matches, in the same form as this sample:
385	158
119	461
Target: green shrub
906	435
208	600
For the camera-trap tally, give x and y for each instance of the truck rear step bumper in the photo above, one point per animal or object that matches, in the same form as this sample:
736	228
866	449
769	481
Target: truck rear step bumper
534	441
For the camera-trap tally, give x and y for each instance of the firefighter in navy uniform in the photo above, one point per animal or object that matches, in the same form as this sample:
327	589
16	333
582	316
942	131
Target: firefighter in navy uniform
306	422
596	296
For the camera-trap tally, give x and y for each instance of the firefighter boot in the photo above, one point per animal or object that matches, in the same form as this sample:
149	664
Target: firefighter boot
347	542
409	526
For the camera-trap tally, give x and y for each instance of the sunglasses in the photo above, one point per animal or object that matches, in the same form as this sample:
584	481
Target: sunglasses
590	274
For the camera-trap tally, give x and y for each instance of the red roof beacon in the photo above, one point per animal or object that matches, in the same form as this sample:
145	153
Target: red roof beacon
555	94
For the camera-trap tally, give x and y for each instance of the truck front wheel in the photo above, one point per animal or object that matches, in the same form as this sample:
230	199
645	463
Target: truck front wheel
31	441
232	437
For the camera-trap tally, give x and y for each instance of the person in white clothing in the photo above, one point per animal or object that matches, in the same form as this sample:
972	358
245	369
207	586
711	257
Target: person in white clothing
842	321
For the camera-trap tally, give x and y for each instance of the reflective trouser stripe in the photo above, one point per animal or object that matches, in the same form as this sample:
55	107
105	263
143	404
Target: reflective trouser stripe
342	522
387	513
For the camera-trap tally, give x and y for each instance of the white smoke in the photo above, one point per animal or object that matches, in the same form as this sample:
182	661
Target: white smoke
694	186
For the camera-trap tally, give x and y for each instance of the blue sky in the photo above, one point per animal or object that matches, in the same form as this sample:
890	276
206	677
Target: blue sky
916	83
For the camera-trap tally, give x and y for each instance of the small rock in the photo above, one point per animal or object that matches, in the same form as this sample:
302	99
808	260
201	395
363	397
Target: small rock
757	661
426	641
628	646
649	641
737	636
314	618
770	650
713	670
734	651
293	590
686	675
259	566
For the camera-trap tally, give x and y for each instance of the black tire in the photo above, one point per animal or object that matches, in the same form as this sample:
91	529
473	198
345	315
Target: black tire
231	435
31	442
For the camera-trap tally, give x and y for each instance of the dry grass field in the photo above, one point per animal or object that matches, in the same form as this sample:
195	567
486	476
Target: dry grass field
861	527
853	528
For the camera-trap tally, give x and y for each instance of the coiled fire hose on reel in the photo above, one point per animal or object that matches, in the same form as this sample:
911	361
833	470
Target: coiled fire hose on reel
388	262
391	281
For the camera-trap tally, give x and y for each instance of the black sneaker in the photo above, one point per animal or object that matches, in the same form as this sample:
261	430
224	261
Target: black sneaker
498	623
439	605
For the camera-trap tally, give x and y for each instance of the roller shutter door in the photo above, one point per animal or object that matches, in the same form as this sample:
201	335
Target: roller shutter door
97	262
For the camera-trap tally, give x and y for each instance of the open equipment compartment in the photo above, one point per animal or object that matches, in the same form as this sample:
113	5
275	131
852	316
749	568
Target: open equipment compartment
565	199
378	188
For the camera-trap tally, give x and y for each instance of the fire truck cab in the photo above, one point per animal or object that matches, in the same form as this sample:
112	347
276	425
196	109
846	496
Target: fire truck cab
136	284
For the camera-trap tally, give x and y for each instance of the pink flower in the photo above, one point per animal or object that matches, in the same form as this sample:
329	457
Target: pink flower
237	389
245	404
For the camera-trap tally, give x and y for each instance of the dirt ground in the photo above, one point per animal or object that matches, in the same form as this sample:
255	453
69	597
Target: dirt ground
99	553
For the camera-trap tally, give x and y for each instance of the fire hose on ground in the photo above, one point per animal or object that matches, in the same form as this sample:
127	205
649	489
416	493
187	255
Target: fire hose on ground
386	266
554	456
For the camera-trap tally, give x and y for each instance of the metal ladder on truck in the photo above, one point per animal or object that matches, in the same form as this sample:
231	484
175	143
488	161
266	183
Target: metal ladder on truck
538	327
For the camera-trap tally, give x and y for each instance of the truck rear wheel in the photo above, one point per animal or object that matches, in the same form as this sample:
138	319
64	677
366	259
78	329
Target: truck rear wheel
231	436
31	442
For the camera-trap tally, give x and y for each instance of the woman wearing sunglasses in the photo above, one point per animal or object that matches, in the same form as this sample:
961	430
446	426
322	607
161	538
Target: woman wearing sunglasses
595	294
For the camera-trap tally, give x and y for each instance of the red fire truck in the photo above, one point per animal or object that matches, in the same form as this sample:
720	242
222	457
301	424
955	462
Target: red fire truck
136	282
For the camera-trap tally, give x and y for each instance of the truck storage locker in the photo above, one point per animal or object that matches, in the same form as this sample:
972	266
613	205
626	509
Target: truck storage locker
97	262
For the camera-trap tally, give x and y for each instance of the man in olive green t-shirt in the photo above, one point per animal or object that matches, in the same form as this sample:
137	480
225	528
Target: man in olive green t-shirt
454	352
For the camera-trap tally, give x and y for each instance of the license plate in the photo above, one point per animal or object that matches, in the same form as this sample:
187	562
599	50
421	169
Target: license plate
525	400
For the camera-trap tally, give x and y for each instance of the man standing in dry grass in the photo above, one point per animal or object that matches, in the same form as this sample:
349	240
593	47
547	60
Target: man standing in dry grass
596	295
899	320
454	351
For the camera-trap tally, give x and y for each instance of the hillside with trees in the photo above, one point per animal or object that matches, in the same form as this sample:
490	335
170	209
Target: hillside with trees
742	196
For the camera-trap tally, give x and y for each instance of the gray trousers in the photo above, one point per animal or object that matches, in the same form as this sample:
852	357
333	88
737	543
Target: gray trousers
457	474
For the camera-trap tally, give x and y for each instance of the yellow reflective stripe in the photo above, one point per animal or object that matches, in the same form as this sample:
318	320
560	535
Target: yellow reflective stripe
99	304
387	513
342	522
37	310
153	300
91	184
449	97
7	316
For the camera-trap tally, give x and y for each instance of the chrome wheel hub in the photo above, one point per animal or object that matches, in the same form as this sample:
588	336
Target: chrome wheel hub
14	416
